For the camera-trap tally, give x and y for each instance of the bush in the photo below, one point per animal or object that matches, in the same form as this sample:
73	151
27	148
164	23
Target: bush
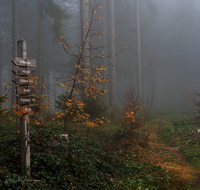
95	108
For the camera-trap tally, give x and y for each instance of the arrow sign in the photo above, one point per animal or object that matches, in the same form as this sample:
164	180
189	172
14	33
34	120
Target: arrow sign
24	62
33	108
24	71
26	90
23	81
24	100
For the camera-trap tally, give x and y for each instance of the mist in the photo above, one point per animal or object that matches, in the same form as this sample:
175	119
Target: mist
169	40
100	94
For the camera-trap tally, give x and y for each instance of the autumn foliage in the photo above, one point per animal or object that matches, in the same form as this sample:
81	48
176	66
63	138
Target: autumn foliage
86	81
40	102
91	88
132	107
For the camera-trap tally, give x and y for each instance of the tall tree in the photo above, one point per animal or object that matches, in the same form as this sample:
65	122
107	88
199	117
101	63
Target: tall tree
85	34
15	38
52	14
112	52
57	12
54	76
40	42
105	60
1	61
139	50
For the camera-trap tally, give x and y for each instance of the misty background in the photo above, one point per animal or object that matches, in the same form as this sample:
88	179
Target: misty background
170	45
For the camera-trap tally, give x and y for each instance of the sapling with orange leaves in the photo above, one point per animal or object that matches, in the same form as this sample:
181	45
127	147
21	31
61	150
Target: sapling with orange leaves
87	79
132	106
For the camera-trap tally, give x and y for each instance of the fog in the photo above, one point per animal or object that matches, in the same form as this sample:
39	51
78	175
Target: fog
169	35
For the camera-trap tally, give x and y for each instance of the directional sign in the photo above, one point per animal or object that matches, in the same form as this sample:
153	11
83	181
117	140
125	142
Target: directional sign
24	62
23	81
26	90
33	108
24	71
25	100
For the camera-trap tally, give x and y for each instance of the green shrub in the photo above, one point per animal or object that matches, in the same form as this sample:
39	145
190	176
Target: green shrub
95	108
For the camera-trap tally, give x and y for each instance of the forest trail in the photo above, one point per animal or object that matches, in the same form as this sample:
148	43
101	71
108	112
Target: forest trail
159	153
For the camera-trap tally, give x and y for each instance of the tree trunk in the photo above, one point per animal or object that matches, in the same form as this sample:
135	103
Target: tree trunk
40	45
1	62
54	76
112	52
47	73
139	50
15	38
84	37
85	43
105	63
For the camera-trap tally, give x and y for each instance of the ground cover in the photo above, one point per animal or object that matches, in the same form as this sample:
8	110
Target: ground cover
108	159
182	140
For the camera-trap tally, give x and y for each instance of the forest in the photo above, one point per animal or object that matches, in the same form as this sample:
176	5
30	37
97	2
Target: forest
95	94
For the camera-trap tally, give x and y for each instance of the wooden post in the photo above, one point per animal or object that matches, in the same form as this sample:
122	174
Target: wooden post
24	121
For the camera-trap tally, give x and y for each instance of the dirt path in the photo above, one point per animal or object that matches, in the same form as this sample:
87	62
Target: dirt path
172	159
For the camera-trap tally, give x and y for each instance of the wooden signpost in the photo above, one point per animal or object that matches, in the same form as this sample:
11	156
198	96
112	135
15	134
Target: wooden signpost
25	100
23	70
22	81
24	62
31	108
25	90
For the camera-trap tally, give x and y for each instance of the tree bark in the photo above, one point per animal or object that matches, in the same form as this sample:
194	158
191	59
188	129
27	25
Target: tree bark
139	50
40	45
1	62
47	73
85	37
105	62
85	61
112	51
54	76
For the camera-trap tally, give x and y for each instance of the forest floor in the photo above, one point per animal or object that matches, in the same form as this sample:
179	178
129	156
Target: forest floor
139	163
162	154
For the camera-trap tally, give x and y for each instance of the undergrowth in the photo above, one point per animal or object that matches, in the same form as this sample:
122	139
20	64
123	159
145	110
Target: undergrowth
111	158
182	133
80	164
